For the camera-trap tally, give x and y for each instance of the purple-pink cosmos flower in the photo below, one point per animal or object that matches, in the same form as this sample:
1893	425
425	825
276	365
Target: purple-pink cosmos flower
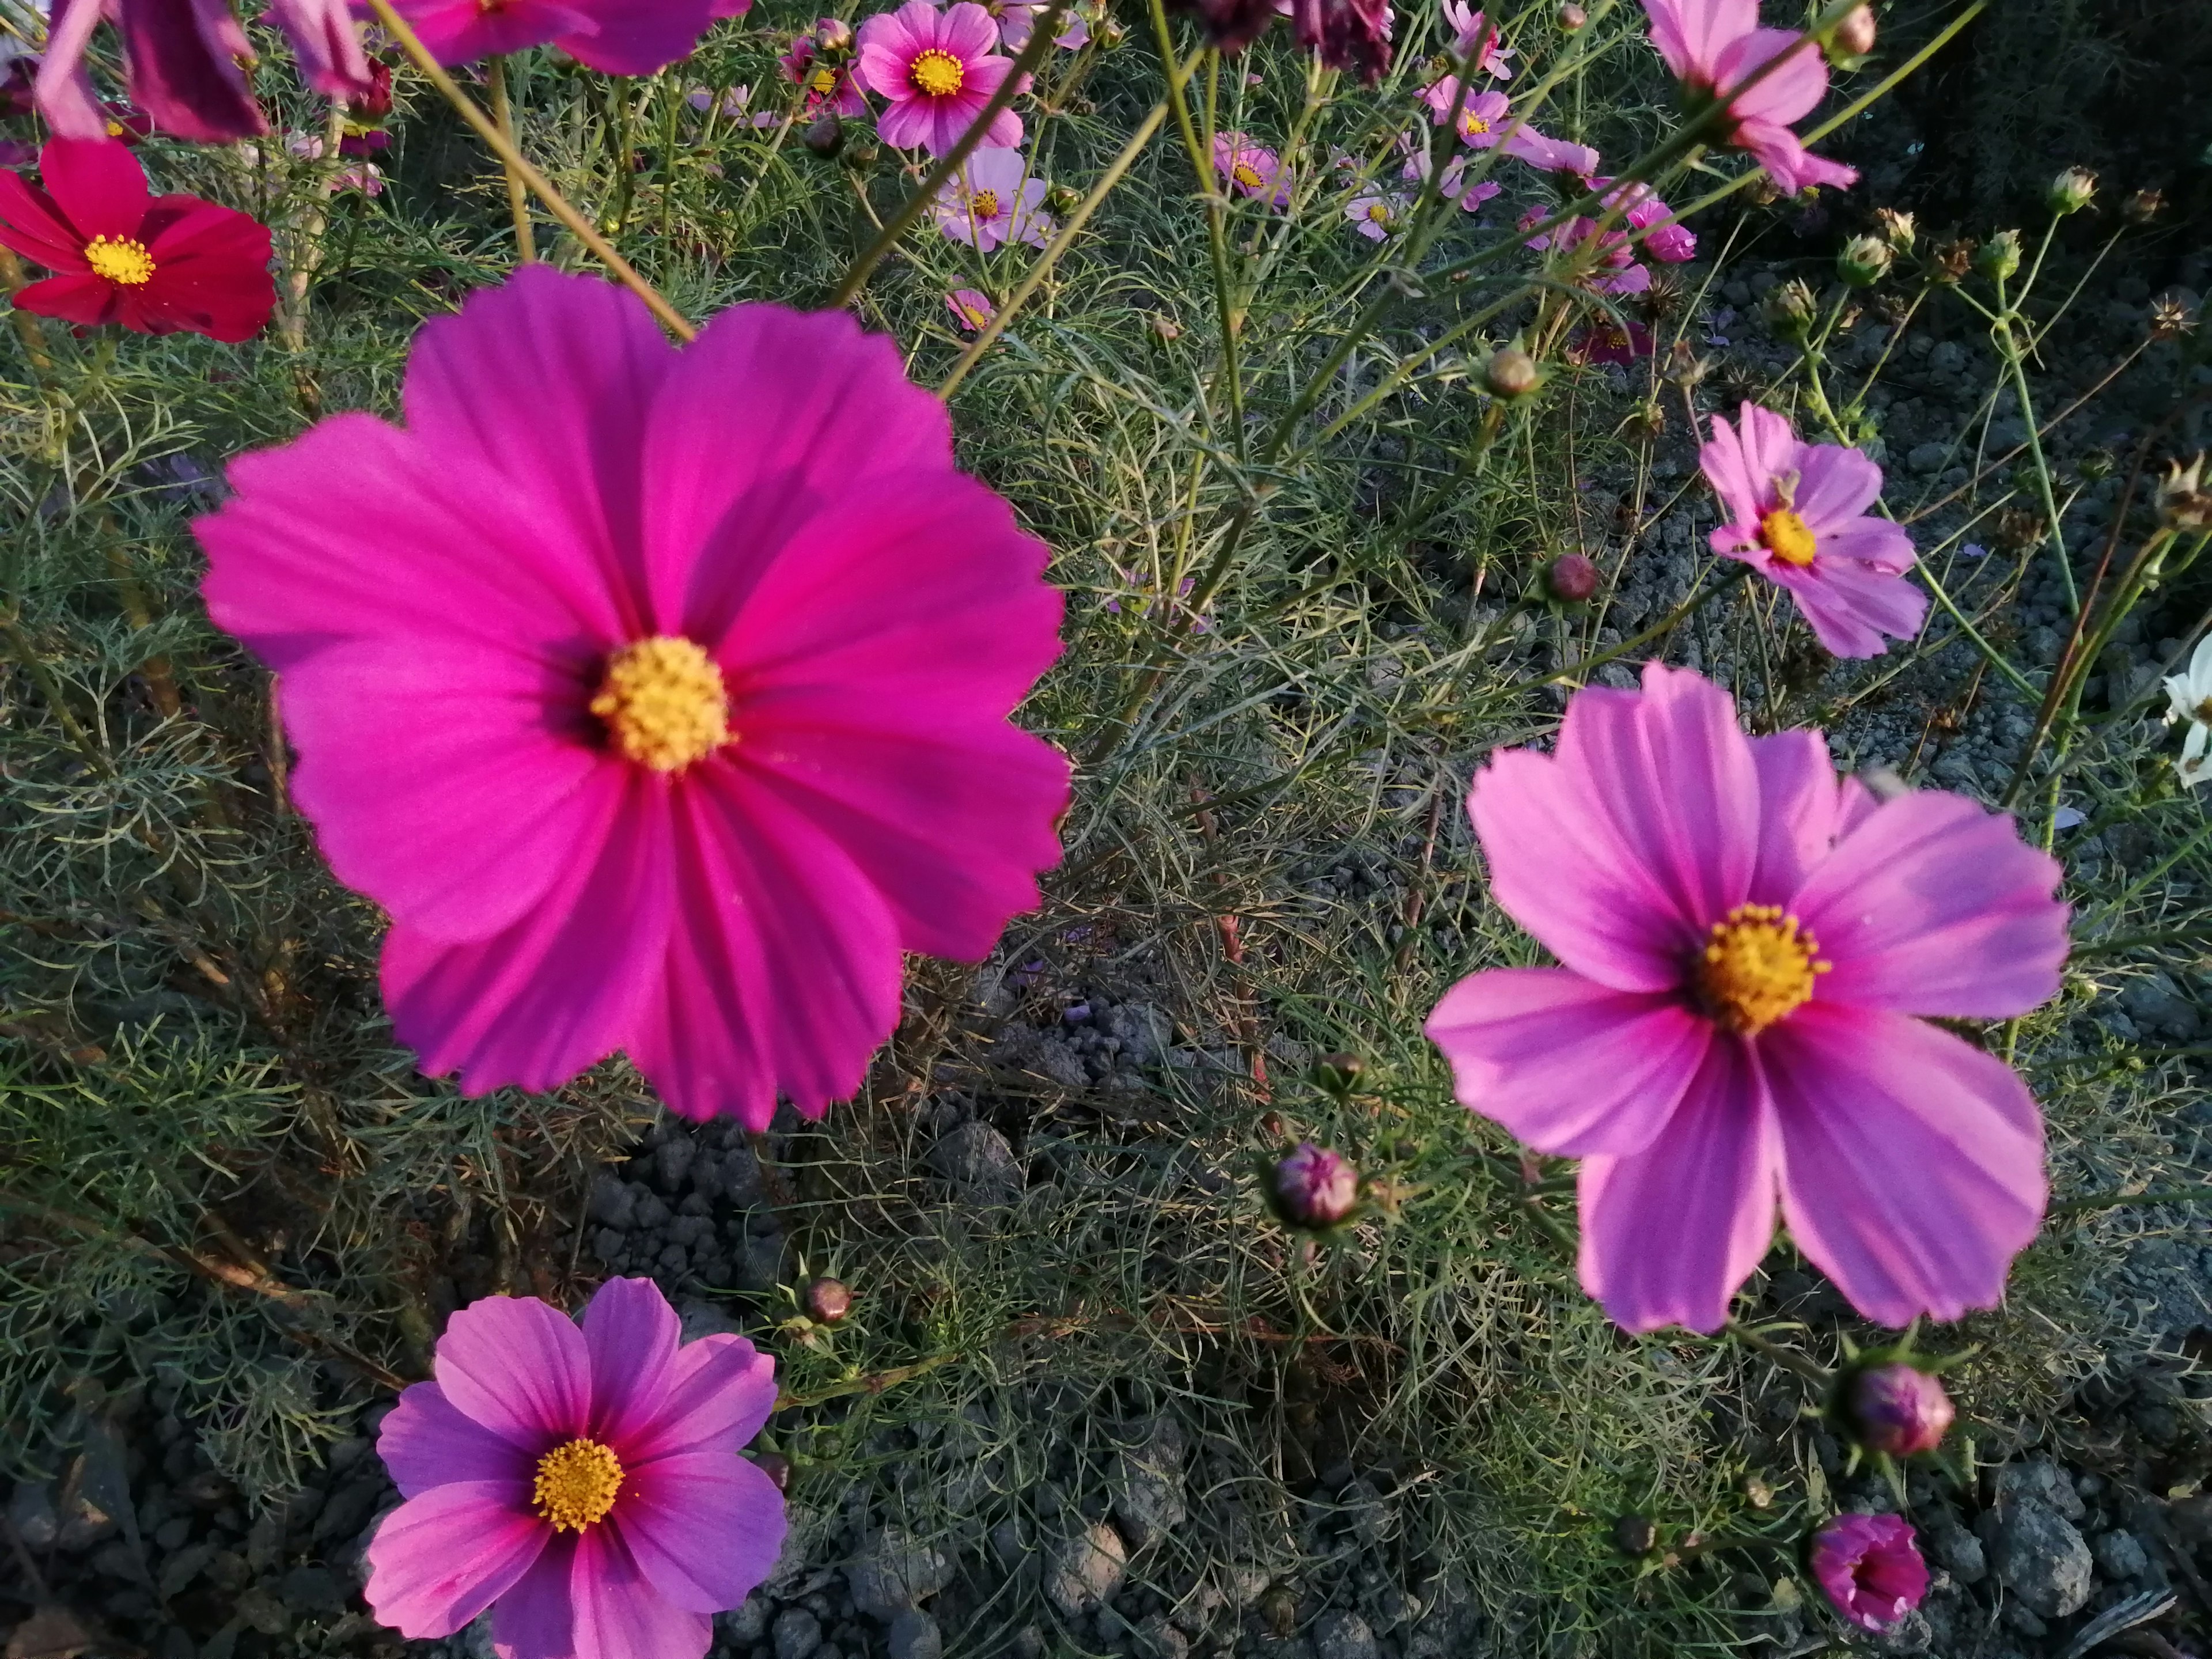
971	309
1017	21
938	68
1750	954
614	37
586	1485
1376	215
994	200
1641	207
1870	1567
1713	46
1469	30
658	695
829	85
1453	186
1797	515
1251	169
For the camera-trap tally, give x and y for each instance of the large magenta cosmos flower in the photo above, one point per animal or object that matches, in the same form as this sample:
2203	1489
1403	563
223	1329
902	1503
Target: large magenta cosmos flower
1870	1567
614	37
938	68
1797	514
163	264
585	1484
1713	46
1747	946
659	696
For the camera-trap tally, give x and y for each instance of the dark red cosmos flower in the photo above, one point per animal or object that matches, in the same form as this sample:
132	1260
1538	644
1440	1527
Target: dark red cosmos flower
1347	34
157	264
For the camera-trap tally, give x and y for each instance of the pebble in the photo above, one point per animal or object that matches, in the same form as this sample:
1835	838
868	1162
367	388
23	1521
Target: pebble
1086	1570
2119	1555
895	1571
1342	1635
796	1634
2038	1555
979	1165
913	1635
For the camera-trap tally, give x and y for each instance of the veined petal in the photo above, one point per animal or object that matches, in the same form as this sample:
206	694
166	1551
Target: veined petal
631	1332
1798	808
704	1527
440	1559
518	1368
721	1391
620	1613
426	1441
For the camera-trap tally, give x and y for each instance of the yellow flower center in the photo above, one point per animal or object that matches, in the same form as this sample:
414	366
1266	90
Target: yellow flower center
825	82
1756	967
985	204
120	260
116	129
577	1481
936	74
1379	212
1247	175
664	703
1788	536
1474	126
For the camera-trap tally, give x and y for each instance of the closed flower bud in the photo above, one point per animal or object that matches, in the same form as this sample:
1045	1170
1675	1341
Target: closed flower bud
833	35
1635	1535
1315	1187
1898	1409
2144	206
827	1301
824	134
1787	309
1338	1074
1854	37
1998	258
1511	372
1865	261
1572	578
2072	190
1572	17
1895	228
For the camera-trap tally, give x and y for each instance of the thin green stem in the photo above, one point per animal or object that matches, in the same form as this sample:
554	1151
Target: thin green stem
517	192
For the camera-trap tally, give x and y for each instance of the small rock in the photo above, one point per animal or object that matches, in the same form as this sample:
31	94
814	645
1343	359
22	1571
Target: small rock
1086	1570
263	1611
979	1164
312	1590
31	1512
1342	1635
612	1202
2119	1555
350	1506
913	1635
2038	1555
744	1624
181	1568
672	1161
895	1571
2040	1478
1147	1483
1956	1550
1926	457
796	1633
1158	1639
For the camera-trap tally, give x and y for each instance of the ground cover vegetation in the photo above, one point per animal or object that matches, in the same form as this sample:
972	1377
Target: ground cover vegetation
1412	863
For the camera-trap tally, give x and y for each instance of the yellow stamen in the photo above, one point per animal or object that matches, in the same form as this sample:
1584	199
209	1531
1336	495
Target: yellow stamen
1788	536
120	260
1474	126
825	82
664	703
577	1482
1247	175
1756	967
1378	212
984	204
936	73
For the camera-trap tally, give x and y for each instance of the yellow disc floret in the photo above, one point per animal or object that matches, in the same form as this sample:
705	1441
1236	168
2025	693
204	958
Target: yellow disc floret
936	73
1788	536
577	1482
984	204
119	260
664	703
1247	175
1757	967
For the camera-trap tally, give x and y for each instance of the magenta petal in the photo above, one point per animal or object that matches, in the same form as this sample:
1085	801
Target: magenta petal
1670	1234
440	1559
535	1619
425	1442
1834	483
517	1367
1933	905
1850	609
631	1334
1911	1161
1785	94
720	1394
1797	809
1570	1066
705	1528
619	1613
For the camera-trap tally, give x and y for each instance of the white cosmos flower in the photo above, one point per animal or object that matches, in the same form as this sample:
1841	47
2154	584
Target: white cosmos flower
2191	696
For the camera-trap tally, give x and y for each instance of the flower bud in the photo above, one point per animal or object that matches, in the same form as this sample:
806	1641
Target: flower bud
1898	1409
1572	578
825	135
1895	228
1951	261
1854	37
827	1301
1572	17
1787	309
776	1466
2072	190
833	35
1062	199
1998	258
1511	372
2144	206
1635	1535
1338	1074
1315	1187
1865	261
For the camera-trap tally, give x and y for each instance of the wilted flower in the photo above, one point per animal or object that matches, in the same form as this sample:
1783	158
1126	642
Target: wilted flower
993	200
1865	261
1251	169
1788	308
1715	47
1896	1408
614	37
938	68
971	310
2170	316
2144	206
1348	34
1998	258
1870	1567
1315	1187
2190	698
2072	190
1745	942
1895	228
1471	29
1572	578
1952	260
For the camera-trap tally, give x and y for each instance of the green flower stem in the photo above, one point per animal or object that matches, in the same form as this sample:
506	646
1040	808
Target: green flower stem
518	193
1788	1359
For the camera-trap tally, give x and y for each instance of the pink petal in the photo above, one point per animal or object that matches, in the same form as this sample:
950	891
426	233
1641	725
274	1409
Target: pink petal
1883	547
967	32
64	90
907	124
1912	1163
631	38
1785	94
720	1394
440	1559
631	1332
1670	1234
1834	485
704	1527
425	1442
1792	167
1933	905
1570	1066
1849	608
535	1619
1691	33
1797	808
619	1613
1729	471
519	1368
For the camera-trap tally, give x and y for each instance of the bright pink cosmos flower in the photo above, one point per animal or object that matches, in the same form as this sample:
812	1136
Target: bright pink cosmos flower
585	1484
164	264
1672	244
1251	169
1483	115
1746	945
1611	266
939	69
971	309
827	85
1713	46
1870	1567
1549	155
994	200
614	37
1797	515
661	696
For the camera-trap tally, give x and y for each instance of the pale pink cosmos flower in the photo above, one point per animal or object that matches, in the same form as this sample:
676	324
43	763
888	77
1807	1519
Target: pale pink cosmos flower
614	37
586	1485
1797	515
659	696
1017	21
1713	46
1377	215
1549	155
1750	954
939	69
972	310
1870	1567
993	201
1453	186
1483	115
1469	30
1251	169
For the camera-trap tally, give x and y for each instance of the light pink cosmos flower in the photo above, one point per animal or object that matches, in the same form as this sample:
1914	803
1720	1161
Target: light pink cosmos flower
614	37
939	69
1549	155
1797	515
659	696
1713	46
1870	1567
1750	954
994	200
1453	186
1468	29
1251	169
586	1485
1017	21
1377	215
972	310
1671	244
1483	115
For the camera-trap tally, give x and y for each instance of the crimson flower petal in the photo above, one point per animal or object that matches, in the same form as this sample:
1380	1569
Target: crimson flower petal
89	300
100	186
34	225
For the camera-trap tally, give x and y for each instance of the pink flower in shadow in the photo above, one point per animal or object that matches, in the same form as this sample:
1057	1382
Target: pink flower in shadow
1751	953
1251	169
614	37
937	68
1715	47
1469	30
971	309
1870	1567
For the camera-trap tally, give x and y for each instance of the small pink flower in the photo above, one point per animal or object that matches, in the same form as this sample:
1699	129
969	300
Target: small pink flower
1713	46
1870	1567
1453	186
1671	244
1797	515
1607	342
1017	21
1483	116
1377	215
939	71
614	37
1611	266
1468	28
994	200
1549	155
971	310
586	1485
1251	169
828	86
1751	952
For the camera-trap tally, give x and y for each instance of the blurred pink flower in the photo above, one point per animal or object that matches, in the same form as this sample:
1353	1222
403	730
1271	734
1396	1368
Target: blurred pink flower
1376	215
1468	28
1750	954
1613	269
971	310
1453	186
829	86
1673	244
1549	155
1797	515
586	1485
1713	46
1870	1567
614	37
1607	342
993	201
658	695
1017	21
1347	34
939	69
1251	169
